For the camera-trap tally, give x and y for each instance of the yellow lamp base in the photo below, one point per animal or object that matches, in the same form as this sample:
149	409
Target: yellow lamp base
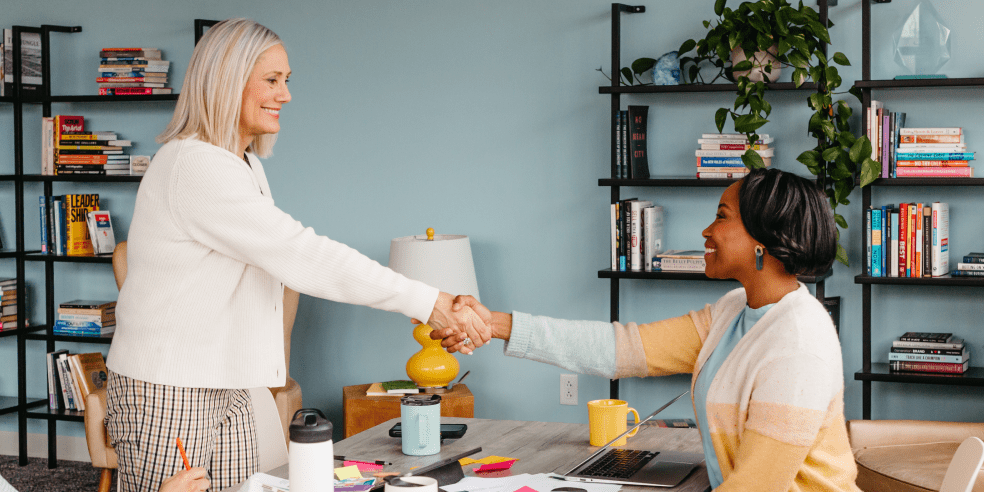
432	366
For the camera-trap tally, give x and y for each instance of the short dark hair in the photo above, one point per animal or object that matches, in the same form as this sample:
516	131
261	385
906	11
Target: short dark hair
790	216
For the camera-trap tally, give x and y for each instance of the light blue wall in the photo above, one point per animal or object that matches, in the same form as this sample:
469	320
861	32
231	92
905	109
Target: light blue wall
484	118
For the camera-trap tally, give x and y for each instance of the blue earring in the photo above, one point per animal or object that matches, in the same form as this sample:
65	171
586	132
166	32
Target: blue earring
759	254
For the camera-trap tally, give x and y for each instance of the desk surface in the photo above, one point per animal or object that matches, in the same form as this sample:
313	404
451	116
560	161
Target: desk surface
542	447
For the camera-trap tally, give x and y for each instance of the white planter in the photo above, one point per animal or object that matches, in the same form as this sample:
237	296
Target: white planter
760	59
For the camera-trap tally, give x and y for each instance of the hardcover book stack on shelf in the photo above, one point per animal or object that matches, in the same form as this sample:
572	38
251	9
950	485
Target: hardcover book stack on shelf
971	266
31	79
936	152
65	220
72	377
8	304
83	318
68	149
909	240
132	71
636	234
632	147
678	260
929	352
719	156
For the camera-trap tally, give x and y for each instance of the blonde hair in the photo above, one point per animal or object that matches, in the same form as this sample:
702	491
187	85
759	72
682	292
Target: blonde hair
210	103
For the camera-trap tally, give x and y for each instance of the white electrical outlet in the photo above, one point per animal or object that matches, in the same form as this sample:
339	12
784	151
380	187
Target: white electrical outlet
568	389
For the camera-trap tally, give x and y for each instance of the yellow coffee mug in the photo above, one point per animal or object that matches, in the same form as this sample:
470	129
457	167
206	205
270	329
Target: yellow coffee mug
607	419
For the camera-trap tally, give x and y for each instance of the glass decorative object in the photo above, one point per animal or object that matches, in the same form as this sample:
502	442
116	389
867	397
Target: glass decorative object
922	42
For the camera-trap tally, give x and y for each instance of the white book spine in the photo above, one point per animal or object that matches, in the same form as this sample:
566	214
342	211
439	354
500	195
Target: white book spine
929	131
614	234
893	261
941	239
635	223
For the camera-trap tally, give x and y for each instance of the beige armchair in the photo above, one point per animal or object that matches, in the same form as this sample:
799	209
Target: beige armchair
907	455
287	397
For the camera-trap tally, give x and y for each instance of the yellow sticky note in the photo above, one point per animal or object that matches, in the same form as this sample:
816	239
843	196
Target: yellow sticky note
346	472
490	460
466	461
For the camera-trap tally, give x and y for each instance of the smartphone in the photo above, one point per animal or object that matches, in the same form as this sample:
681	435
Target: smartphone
448	431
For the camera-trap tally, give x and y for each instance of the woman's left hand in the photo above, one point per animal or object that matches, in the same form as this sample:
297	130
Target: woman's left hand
475	321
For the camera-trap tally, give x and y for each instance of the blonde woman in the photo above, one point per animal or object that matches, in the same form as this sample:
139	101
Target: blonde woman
199	317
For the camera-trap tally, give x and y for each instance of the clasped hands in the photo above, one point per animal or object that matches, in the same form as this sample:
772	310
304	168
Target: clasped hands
462	322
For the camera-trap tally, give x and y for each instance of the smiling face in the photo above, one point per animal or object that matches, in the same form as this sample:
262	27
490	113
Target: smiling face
265	93
729	251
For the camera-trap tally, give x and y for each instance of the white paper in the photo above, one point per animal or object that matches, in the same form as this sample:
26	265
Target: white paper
541	482
261	482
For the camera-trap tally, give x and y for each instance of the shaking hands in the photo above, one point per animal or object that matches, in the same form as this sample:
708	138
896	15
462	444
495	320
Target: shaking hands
463	322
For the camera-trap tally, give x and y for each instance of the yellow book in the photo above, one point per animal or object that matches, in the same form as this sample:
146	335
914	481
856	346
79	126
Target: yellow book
89	371
77	209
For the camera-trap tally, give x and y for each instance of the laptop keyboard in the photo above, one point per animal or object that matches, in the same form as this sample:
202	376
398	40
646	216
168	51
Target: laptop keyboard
619	463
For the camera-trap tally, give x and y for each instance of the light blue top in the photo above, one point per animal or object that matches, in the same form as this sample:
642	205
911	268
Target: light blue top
744	322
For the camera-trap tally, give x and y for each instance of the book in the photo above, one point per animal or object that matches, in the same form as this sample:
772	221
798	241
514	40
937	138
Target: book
876	242
961	172
129	84
734	175
955	343
87	304
132	91
873	129
58	223
120	79
635	234
940	367
927	227
892	265
911	163
66	381
932	156
731	153
400	386
679	260
101	232
966	273
653	220
914	350
940	244
638	142
89	371
30	48
727	161
149	53
47	146
733	136
960	358
736	139
78	242
614	235
733	146
918	336
931	131
55	400
974	258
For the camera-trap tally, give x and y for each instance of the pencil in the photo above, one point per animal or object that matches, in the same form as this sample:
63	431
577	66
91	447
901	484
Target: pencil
377	462
184	456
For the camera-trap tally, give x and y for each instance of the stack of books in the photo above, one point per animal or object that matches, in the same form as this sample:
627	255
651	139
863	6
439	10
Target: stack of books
84	318
936	152
971	266
929	352
68	148
65	224
132	71
719	156
387	388
8	304
72	377
883	133
678	260
908	240
636	234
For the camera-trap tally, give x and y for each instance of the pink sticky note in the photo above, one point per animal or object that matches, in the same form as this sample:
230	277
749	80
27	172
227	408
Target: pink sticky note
504	465
525	489
364	466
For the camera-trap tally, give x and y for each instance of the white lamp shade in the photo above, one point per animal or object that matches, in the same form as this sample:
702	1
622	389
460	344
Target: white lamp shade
445	263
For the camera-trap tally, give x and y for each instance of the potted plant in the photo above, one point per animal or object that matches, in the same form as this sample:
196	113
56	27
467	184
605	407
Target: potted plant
796	38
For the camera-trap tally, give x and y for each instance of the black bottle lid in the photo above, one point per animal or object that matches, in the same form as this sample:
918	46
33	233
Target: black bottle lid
420	400
309	425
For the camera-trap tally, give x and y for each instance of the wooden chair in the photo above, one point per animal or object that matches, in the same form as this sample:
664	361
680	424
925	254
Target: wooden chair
964	467
286	399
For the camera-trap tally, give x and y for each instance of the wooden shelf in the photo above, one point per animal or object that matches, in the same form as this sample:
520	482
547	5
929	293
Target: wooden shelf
919	83
686	181
34	256
880	372
660	89
609	273
945	280
83	178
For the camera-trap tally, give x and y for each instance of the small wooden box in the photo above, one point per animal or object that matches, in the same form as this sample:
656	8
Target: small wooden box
362	412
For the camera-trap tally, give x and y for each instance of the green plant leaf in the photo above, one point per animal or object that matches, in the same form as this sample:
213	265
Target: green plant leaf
748	123
842	60
752	159
831	153
870	170
842	255
798	60
694	71
839	219
814	125
643	64
686	46
741	101
707	24
719	7
810	159
857	93
860	150
782	47
829	132
843	188
846	139
766	107
627	74
815	101
763	40
821	57
799	76
844	109
743	65
720	117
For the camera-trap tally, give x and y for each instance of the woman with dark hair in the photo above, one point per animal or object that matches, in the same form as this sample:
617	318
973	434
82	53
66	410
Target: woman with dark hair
767	382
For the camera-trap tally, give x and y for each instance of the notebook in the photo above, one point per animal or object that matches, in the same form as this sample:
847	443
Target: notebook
653	468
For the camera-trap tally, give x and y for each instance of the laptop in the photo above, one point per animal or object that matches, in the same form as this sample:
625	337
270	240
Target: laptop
636	467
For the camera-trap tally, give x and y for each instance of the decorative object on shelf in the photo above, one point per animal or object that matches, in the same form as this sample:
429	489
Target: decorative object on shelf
443	261
667	69
765	65
922	41
799	39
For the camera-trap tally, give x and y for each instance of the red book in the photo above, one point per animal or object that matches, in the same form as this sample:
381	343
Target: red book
131	79
962	172
937	367
932	163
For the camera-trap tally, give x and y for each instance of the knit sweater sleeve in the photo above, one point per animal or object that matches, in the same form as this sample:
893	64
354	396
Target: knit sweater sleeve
215	201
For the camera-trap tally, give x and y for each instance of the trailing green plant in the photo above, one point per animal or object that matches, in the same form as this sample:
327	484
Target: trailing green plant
799	38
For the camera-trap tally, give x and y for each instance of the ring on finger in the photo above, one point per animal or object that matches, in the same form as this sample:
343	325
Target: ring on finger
466	341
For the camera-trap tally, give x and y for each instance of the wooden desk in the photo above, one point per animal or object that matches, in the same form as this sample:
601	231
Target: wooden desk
542	447
362	412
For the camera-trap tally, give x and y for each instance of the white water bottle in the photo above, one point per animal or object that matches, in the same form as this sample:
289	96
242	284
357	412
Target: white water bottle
311	455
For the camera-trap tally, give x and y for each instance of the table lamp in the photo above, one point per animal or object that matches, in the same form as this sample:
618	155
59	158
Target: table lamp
443	261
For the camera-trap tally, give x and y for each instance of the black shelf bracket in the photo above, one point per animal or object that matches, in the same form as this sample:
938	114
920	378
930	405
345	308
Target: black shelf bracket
200	25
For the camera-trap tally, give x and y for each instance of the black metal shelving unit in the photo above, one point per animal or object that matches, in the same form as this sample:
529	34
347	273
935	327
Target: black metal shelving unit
875	371
615	90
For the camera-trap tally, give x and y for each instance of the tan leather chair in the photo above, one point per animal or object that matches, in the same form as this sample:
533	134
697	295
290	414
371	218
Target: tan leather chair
287	397
907	455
